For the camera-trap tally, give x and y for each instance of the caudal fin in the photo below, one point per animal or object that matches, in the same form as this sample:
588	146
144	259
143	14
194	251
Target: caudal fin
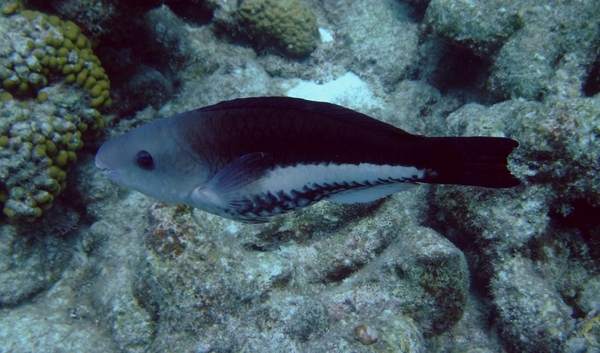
474	161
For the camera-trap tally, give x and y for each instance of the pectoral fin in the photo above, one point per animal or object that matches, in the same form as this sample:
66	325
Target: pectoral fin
227	193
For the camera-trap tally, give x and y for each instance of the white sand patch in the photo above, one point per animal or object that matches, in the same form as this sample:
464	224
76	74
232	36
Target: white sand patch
347	90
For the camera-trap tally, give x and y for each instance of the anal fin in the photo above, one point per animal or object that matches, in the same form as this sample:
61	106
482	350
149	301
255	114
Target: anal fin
369	194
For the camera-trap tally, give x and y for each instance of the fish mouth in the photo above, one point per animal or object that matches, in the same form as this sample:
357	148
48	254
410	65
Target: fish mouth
105	170
100	165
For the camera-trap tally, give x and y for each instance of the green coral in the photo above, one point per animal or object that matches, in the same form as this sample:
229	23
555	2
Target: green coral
51	87
288	25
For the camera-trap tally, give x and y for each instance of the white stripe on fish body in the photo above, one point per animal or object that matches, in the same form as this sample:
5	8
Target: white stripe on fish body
285	189
288	179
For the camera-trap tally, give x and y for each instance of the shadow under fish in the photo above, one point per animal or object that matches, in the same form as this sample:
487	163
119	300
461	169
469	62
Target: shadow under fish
252	158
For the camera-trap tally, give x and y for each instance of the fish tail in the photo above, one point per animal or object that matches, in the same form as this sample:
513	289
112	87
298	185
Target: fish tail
473	161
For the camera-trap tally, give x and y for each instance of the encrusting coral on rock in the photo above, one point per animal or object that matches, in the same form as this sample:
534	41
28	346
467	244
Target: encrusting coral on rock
288	25
53	87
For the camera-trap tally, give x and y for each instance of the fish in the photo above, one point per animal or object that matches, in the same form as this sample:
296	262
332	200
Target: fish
250	159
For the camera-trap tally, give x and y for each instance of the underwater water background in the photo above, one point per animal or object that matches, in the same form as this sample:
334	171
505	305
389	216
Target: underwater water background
87	265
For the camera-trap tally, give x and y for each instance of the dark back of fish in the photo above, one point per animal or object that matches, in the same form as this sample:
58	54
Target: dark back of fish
294	131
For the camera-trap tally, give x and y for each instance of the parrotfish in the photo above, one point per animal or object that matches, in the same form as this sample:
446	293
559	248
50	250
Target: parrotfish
252	158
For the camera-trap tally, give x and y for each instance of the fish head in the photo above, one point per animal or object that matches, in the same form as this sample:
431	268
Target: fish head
155	160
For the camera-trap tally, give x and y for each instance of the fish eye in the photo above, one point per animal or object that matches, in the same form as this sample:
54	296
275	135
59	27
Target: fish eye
144	160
